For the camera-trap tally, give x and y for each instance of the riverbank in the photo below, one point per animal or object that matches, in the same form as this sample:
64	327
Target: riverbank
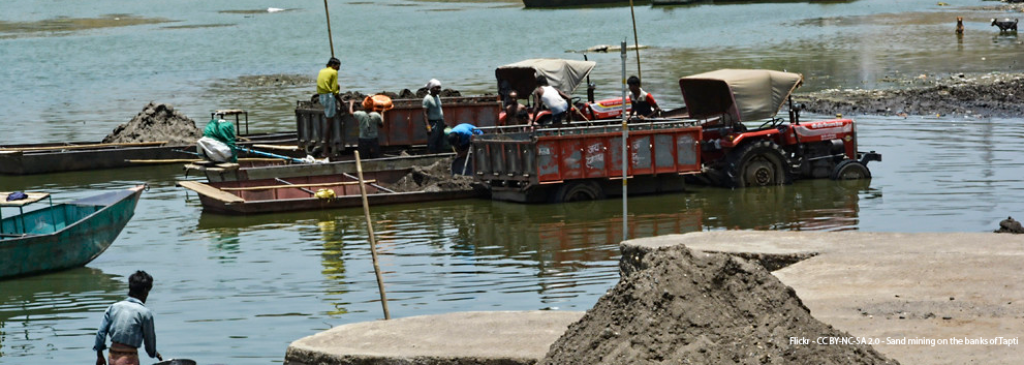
929	299
999	95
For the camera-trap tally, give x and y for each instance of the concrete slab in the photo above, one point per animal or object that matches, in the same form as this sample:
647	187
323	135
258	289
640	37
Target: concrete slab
923	289
506	338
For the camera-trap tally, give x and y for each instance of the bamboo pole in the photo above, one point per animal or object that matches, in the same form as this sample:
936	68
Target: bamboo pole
373	240
635	42
81	146
297	185
329	37
625	142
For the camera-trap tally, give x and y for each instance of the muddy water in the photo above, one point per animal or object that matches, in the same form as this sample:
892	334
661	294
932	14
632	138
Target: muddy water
237	290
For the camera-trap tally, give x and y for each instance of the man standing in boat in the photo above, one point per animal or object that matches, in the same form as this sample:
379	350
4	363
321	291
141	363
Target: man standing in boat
433	116
129	324
459	138
370	119
328	89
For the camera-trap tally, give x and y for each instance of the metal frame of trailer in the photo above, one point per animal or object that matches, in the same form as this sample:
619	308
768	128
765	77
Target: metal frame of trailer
555	164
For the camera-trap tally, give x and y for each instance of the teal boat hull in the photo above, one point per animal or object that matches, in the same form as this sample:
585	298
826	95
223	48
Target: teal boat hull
64	236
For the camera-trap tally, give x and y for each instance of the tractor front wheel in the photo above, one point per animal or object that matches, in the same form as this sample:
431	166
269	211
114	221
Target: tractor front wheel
851	170
760	163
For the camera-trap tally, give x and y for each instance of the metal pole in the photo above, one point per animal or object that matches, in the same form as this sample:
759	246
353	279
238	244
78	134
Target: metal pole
635	42
625	141
373	240
331	39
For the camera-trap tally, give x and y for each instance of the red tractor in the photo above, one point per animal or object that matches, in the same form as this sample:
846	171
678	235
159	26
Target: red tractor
744	144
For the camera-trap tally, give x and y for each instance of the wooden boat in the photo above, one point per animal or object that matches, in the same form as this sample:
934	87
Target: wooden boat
269	169
284	194
62	236
578	3
44	158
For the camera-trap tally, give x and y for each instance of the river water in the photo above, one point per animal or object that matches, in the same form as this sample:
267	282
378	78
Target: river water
237	290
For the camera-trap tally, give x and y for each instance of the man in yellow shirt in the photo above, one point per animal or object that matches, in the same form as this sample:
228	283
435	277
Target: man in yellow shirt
327	88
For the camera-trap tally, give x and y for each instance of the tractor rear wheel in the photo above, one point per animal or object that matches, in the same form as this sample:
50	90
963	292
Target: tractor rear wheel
851	170
578	191
759	163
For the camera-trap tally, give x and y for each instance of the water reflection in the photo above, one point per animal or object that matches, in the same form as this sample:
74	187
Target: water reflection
43	307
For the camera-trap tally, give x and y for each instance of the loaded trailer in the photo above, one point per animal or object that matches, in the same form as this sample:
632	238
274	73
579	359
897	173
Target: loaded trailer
731	137
585	162
403	125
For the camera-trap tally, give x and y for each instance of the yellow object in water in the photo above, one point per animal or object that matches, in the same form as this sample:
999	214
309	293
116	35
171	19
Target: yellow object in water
325	194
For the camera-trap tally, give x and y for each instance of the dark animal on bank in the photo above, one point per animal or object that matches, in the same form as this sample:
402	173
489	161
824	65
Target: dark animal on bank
1005	25
1009	225
960	25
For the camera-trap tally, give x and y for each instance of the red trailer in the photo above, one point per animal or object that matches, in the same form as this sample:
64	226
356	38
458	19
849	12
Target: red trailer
731	137
585	162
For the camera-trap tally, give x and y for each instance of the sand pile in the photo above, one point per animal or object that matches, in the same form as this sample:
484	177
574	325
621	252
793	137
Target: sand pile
434	178
674	306
157	122
990	95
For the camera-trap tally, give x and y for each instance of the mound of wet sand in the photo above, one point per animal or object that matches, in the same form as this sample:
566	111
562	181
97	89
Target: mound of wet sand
990	95
157	122
674	306
434	178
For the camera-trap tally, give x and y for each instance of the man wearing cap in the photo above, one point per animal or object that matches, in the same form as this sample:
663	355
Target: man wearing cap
369	146
434	117
327	88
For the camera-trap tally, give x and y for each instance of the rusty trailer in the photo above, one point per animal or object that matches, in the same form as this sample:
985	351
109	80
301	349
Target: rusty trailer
585	163
403	125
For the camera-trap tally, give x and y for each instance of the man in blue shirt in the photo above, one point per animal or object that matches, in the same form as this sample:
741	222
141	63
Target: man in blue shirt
129	324
459	138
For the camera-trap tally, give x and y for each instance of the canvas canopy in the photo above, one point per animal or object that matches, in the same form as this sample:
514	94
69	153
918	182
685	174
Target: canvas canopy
521	76
743	95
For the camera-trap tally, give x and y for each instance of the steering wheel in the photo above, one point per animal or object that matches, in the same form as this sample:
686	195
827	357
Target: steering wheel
771	123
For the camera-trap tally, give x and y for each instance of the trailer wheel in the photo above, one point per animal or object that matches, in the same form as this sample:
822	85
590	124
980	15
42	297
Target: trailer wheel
760	163
851	170
578	191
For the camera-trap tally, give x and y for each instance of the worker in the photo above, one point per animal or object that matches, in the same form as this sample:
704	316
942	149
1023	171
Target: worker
433	117
555	100
129	324
643	104
515	113
369	146
327	89
459	138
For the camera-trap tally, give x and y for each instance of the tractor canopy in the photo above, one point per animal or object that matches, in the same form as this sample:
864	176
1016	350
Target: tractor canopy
738	95
565	75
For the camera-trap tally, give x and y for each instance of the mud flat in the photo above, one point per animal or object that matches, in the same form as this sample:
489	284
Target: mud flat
989	95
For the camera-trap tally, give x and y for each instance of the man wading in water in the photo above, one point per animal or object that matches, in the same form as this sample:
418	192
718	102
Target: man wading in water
129	324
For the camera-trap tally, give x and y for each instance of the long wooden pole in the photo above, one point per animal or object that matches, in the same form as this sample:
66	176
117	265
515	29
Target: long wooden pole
625	142
636	42
373	240
330	38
